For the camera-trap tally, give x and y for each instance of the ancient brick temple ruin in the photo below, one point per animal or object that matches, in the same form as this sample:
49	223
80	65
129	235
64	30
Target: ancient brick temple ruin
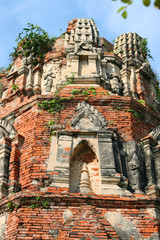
80	141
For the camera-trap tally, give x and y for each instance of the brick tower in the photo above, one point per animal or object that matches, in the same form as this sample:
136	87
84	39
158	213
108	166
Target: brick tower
80	141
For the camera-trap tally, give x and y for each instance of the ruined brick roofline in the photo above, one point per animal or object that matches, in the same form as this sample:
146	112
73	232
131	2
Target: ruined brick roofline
80	141
120	68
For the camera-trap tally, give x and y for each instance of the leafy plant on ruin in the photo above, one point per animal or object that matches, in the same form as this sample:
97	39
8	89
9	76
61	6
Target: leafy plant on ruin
15	87
117	107
136	115
141	101
3	69
39	203
157	89
51	123
33	40
83	91
45	204
144	49
154	108
51	106
1	84
55	105
93	90
75	91
111	123
11	206
70	79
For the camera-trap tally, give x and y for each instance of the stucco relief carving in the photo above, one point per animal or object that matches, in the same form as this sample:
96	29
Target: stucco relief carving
84	46
146	67
135	165
48	77
6	129
155	133
88	118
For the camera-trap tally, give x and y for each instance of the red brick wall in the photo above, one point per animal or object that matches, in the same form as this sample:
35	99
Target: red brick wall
32	123
76	216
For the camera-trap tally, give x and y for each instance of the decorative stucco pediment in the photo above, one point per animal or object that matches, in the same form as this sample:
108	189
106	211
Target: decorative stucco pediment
6	129
88	118
84	48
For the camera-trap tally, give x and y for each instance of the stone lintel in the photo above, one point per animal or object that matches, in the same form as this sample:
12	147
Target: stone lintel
83	132
95	79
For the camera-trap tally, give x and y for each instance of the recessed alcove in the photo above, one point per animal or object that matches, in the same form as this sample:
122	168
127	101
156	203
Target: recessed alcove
83	65
84	159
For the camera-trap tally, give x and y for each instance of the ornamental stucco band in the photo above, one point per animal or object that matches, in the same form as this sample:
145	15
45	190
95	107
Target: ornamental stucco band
80	141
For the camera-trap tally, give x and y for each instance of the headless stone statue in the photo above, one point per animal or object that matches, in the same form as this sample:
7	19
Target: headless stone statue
133	163
134	172
48	78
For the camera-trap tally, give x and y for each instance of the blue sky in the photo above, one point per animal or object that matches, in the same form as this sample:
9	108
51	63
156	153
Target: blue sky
54	15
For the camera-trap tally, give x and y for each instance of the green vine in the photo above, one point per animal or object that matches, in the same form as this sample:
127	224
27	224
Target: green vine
117	107
11	206
141	101
39	203
157	91
83	91
136	115
144	49
51	106
15	87
55	105
51	122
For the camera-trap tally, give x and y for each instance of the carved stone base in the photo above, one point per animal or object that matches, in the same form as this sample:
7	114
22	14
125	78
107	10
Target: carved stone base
110	186
60	181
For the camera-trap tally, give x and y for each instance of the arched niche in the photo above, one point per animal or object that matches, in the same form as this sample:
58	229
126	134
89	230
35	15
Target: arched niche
84	169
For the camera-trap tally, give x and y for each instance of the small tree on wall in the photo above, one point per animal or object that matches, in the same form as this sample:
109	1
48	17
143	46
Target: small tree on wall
33	40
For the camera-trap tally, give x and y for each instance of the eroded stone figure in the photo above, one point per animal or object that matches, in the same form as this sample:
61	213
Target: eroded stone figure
134	166
134	172
48	78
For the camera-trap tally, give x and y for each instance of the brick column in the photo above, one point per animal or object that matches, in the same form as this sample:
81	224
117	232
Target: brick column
148	142
75	64
110	179
125	74
14	164
92	64
107	163
37	80
63	161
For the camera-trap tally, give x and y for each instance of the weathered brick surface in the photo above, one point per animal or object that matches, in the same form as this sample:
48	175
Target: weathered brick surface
29	164
38	209
76	216
32	123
